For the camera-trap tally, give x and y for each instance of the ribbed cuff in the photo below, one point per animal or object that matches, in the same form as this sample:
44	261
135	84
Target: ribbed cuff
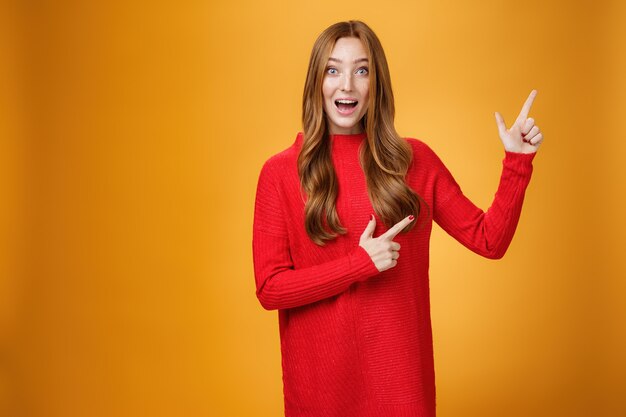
519	163
362	264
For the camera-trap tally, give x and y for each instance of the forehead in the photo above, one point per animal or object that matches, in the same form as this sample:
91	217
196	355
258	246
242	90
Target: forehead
348	49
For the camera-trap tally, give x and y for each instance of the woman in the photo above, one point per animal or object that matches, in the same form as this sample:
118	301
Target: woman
334	212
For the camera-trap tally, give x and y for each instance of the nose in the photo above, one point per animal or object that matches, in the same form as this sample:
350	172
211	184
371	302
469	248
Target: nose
346	83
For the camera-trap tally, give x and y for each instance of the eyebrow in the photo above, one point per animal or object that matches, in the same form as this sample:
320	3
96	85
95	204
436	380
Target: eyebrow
356	61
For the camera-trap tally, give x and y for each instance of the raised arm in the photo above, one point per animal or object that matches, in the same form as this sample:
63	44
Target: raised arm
490	233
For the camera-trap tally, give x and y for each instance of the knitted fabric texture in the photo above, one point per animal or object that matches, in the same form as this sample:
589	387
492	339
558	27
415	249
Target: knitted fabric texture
355	341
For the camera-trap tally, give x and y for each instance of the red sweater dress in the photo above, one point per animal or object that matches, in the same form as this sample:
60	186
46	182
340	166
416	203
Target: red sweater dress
355	341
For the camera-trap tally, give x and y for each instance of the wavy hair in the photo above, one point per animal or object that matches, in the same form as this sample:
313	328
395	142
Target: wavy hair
385	157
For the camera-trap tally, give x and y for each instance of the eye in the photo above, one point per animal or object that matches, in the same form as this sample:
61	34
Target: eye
330	69
362	70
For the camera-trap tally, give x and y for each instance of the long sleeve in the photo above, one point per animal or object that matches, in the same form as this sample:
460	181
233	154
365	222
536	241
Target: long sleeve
278	284
486	233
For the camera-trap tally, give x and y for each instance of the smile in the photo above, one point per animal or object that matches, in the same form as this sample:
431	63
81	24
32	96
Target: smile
346	106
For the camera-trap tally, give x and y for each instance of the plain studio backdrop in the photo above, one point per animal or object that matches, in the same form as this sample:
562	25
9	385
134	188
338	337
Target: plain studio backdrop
132	135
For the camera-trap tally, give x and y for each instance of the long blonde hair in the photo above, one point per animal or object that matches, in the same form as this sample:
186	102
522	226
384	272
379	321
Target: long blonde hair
385	156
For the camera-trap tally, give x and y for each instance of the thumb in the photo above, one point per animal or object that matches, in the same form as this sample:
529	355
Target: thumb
369	229
500	123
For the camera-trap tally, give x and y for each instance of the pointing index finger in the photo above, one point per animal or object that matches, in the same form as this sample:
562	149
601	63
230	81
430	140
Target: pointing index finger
523	115
396	228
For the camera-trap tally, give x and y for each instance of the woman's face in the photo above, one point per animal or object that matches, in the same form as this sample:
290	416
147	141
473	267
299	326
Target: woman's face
346	86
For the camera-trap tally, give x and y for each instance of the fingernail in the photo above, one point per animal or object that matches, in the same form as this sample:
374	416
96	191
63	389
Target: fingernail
372	217
411	217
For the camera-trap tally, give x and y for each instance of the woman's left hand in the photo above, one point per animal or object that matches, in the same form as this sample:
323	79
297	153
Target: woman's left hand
524	136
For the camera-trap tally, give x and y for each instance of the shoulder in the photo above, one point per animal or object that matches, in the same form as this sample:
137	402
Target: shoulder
423	153
418	145
282	162
287	155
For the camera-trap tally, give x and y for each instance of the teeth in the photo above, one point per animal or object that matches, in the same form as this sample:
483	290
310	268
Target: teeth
346	101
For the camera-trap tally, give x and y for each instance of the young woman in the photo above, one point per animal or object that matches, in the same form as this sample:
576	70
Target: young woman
333	213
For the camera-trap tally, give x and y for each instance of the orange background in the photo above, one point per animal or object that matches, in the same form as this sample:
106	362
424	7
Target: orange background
131	141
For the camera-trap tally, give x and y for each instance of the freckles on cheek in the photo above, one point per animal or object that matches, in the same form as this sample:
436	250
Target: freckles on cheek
327	100
326	90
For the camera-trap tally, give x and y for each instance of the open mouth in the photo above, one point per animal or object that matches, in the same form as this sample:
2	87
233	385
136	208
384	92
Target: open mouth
346	106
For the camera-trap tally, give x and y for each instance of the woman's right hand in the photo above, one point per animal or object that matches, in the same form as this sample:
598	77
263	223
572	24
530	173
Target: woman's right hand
382	249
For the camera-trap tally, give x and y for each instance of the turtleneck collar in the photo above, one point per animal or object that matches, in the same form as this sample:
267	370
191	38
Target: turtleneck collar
351	136
354	138
344	144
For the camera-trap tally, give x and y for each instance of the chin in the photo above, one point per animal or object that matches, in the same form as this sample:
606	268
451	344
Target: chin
347	128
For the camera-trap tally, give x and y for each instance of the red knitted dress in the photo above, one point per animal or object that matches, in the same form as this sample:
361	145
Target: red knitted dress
356	342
